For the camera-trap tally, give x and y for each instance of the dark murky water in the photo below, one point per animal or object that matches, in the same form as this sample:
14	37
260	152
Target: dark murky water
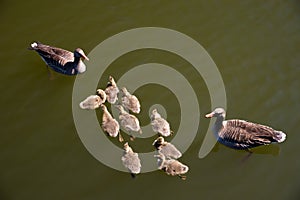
255	45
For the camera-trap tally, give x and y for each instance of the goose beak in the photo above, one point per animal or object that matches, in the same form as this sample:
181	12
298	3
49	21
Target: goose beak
84	56
209	115
154	142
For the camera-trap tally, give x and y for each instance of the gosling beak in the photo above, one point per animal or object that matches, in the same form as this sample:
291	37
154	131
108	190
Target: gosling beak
209	115
154	142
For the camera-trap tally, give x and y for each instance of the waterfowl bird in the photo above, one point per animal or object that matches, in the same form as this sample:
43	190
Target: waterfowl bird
93	101
112	91
109	124
159	124
171	166
166	148
131	160
128	121
130	101
60	60
240	134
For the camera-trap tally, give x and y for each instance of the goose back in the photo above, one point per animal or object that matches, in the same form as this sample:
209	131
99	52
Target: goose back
240	134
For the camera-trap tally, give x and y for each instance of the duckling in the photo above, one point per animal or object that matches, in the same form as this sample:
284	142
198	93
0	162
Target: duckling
131	160
112	91
159	124
171	167
128	121
93	101
109	124
130	101
166	148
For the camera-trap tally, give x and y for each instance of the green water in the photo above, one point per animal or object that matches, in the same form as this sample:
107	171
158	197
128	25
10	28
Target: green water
255	45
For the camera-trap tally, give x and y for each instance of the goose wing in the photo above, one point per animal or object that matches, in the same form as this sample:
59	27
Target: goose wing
50	53
246	134
169	151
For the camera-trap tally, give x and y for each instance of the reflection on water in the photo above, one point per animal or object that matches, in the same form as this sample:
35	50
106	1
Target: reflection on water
255	46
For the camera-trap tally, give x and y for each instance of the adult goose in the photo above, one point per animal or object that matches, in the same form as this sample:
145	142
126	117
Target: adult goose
60	60
240	134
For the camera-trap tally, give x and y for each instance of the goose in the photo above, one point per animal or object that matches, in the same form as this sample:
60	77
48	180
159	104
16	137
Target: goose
109	124
166	148
93	101
131	160
241	134
60	60
128	121
159	124
112	91
171	166
130	101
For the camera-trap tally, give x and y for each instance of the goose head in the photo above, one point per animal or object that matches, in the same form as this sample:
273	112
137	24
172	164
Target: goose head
159	141
127	148
111	81
124	90
101	94
155	114
103	107
218	112
78	53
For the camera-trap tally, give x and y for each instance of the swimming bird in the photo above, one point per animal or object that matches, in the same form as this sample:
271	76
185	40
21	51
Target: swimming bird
130	101
131	160
128	121
166	148
159	124
112	91
241	134
109	124
171	166
93	101
60	60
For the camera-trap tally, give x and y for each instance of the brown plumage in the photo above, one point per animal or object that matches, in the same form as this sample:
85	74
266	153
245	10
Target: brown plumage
241	134
93	102
130	101
171	166
112	91
109	124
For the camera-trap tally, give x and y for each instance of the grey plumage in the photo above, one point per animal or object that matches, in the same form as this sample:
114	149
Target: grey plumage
159	124
112	91
241	134
166	148
109	124
171	166
130	101
93	101
131	160
60	60
128	121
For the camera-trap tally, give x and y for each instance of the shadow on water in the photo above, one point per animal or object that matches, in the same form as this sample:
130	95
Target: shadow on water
273	149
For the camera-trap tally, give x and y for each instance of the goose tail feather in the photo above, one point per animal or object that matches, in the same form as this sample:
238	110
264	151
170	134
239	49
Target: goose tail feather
280	136
33	46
